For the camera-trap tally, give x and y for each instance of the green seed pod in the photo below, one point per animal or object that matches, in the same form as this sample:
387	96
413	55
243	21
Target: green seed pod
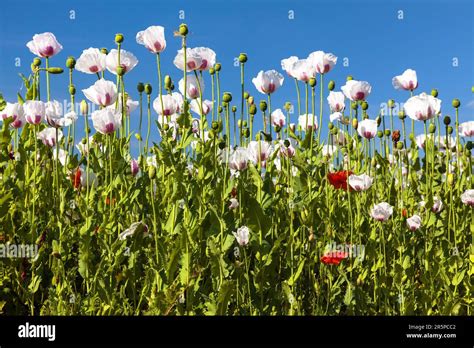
312	82
399	145
401	115
378	119
219	109
118	38
140	87
349	77
183	29
387	132
355	123
234	108
331	85
456	103
449	129
37	61
252	109
84	108
354	105
330	126
432	128
246	132
215	125
391	103
104	50
244	123
227	97
84	141
411	137
450	178
263	105
287	106
379	134
120	71
72	90
218	67
166	126
246	95
212	71
434	92
447	120
373	162
70	63
242	58
152	172
138	137
55	70
148	89
364	105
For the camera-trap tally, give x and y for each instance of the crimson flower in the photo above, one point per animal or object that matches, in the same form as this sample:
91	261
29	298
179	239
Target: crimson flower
334	257
339	179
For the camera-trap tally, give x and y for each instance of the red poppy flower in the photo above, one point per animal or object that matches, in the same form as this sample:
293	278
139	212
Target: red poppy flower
404	213
77	179
334	257
339	179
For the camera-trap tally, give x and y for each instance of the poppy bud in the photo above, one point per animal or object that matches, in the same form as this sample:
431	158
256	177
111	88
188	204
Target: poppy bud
218	66
152	172
118	38
211	71
379	134
242	58
140	87
334	131
84	108
391	103
183	29
168	82
148	89
104	50
246	95
401	115
219	109
234	108
399	145
469	145
221	144
432	128
364	105
37	61
251	100
387	132
349	77
70	63
331	85
138	137
354	105
312	82
355	123
330	126
263	105
227	97
55	70
87	130
215	125
450	179
378	119
244	123
447	120
287	143
456	103
246	132
373	162
267	137
252	109
277	129
449	129
395	136
434	92
287	106
72	89
166	126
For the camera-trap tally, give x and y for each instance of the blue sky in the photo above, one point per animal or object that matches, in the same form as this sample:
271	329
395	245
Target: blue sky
376	42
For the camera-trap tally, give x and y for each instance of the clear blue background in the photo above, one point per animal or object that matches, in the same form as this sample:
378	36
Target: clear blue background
369	33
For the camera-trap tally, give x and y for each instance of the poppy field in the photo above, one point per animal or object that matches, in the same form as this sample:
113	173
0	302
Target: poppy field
230	204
